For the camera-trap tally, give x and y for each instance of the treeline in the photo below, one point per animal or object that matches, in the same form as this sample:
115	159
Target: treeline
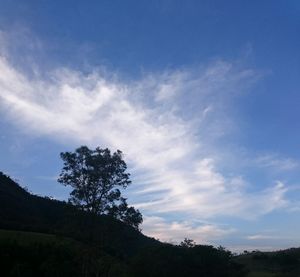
283	263
85	244
23	254
32	254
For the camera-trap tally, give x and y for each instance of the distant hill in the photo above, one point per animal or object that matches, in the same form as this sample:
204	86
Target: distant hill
44	237
283	263
20	210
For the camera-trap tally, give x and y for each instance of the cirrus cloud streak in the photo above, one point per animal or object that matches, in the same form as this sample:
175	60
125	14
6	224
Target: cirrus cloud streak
165	124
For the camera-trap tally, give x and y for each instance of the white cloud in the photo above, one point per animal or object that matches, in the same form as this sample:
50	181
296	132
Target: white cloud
165	124
276	162
246	247
262	237
176	231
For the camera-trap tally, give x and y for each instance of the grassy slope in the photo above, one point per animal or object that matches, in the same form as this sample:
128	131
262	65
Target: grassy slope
20	210
28	238
284	263
37	254
54	227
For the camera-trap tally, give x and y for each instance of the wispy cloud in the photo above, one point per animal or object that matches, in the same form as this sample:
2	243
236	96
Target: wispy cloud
262	237
165	124
276	162
176	231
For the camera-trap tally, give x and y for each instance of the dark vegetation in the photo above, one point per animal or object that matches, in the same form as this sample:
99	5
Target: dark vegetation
54	238
283	263
96	177
97	234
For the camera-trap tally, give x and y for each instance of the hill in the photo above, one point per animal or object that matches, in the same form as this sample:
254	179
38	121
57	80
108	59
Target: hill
44	237
283	263
20	210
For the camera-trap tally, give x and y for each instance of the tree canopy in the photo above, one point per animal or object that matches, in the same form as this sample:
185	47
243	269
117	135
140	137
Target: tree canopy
96	177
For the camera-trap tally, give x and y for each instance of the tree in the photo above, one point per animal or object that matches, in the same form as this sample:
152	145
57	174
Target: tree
188	243
96	177
126	214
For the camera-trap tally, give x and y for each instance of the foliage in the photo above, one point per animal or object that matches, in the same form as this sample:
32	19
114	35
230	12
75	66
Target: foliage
96	177
85	244
33	254
199	260
283	263
188	243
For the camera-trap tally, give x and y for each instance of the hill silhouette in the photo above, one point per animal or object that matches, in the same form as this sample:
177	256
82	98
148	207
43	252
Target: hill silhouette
40	236
44	237
20	210
282	263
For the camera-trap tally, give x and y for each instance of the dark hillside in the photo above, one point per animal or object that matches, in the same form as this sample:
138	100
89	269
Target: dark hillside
20	210
283	263
48	234
37	254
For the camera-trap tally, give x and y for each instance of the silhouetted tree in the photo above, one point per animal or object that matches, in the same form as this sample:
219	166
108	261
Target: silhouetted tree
96	176
126	214
188	243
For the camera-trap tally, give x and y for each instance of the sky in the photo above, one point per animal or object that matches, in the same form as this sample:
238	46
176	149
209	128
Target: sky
202	97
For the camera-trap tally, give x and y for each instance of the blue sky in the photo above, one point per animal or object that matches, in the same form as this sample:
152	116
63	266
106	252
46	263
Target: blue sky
201	96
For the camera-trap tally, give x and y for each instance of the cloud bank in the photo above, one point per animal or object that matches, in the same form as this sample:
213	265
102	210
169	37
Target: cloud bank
166	124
